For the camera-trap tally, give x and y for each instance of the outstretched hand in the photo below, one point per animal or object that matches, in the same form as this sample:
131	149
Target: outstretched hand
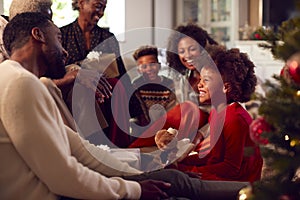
153	189
91	79
67	80
104	88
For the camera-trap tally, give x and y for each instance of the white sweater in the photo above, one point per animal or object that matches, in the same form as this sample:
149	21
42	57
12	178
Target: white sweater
40	157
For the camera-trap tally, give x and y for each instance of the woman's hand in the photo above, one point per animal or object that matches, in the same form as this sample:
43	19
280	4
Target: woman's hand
67	80
103	89
91	79
96	82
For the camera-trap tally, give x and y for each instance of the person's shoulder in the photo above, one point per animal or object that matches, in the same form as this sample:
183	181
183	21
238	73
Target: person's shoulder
19	70
68	26
166	79
236	112
168	82
15	74
104	31
11	66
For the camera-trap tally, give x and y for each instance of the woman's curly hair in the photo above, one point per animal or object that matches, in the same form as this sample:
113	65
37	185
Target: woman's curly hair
189	30
236	70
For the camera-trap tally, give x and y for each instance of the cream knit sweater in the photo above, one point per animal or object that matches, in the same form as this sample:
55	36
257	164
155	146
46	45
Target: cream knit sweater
40	157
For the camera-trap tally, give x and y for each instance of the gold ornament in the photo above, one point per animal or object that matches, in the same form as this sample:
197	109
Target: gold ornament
294	143
245	193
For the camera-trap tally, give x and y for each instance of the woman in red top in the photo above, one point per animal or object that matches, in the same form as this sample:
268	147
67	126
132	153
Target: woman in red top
227	153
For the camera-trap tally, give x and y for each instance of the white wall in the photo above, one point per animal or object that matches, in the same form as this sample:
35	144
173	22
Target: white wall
138	15
146	22
140	18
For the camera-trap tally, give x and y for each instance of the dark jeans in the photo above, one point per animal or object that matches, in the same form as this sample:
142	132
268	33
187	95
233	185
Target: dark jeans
184	187
193	188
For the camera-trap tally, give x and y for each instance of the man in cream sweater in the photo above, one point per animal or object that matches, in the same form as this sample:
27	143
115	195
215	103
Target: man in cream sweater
40	157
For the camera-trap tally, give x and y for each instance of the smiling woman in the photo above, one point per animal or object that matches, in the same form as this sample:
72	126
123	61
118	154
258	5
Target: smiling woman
184	53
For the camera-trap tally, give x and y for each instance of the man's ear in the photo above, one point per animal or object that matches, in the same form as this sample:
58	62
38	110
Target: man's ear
226	88
38	34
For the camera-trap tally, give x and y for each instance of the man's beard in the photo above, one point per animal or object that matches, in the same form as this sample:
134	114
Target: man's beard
56	67
56	72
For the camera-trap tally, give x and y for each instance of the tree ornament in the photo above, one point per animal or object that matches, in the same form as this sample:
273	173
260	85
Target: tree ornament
294	142
284	71
257	127
257	36
293	67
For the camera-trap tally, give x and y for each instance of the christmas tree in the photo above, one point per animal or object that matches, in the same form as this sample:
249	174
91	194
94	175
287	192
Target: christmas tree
277	130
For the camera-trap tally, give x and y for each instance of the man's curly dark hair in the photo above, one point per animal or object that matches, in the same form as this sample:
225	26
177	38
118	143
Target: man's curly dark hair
145	50
190	30
236	70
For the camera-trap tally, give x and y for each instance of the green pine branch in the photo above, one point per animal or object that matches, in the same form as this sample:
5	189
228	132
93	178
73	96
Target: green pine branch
280	108
285	42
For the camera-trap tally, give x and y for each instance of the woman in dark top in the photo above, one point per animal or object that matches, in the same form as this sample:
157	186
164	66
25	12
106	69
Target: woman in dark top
83	36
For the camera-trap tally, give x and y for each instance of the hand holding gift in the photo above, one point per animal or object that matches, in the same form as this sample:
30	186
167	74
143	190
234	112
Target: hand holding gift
173	150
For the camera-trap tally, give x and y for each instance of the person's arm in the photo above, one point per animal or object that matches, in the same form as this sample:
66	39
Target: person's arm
97	158
89	78
67	80
36	129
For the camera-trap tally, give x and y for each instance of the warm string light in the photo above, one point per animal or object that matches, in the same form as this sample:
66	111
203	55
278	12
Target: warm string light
245	193
243	197
293	142
286	138
298	93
